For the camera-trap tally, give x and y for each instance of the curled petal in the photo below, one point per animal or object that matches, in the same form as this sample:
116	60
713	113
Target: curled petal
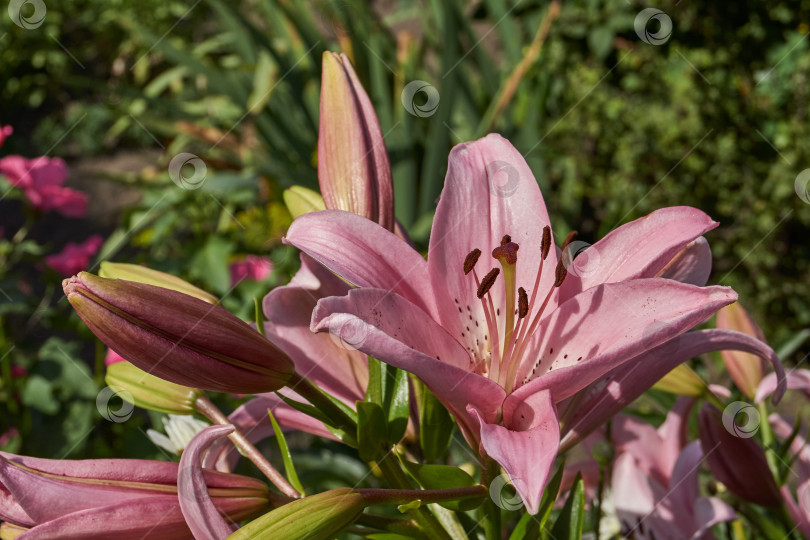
201	515
692	265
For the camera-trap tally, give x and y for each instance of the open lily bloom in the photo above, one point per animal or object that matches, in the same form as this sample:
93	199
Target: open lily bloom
106	498
500	352
655	480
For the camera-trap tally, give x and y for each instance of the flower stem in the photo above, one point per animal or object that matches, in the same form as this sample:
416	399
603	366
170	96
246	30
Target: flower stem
491	511
210	411
321	401
767	438
395	477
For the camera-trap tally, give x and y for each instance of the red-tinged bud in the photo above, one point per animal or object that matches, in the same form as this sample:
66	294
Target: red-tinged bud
112	498
177	337
353	168
733	455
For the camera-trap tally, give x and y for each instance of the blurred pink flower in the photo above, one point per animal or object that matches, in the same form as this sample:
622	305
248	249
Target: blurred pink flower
41	179
252	267
113	357
5	131
8	435
74	257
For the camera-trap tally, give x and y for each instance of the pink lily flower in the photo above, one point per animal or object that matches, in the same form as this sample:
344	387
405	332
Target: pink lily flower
500	357
655	480
121	498
75	257
252	268
41	179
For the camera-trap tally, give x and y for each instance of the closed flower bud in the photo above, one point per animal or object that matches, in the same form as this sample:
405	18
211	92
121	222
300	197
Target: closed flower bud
177	337
318	517
736	459
300	201
353	168
149	392
142	274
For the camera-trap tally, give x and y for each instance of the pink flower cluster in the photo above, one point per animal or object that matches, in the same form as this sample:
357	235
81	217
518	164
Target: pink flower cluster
75	257
252	267
41	180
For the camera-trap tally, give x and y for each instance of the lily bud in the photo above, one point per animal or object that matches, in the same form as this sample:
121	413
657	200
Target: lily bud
109	498
353	168
142	274
746	369
300	201
736	459
682	381
149	392
318	517
178	337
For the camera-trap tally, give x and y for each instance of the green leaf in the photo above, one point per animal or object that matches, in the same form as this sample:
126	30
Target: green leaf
264	80
792	344
286	456
396	402
600	41
435	426
372	430
572	516
309	410
374	390
210	264
444	477
38	393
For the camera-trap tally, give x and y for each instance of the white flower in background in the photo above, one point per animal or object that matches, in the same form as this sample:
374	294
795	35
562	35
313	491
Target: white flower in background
180	429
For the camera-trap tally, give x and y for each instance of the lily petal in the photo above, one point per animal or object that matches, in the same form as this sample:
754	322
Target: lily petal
526	456
489	192
201	515
341	371
621	386
640	249
797	379
386	326
363	253
709	511
156	518
692	265
579	342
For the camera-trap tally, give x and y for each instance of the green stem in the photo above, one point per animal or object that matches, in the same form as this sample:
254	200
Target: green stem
390	468
321	401
767	438
210	411
492	512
